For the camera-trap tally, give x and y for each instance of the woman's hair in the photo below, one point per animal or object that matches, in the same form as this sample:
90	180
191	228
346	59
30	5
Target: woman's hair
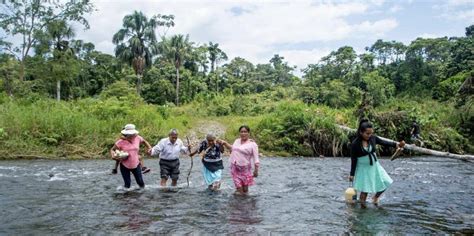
244	126
363	125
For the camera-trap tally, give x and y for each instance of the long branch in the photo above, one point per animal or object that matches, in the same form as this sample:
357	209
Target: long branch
422	150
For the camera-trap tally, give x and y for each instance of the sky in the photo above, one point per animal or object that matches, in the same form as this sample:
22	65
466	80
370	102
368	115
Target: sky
299	30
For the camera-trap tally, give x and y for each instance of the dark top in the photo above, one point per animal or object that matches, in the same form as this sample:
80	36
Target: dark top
357	150
416	128
212	158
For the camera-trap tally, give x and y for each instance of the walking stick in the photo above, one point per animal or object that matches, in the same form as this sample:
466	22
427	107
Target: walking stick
190	168
396	154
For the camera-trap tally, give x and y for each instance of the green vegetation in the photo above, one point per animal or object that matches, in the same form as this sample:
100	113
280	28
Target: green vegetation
61	97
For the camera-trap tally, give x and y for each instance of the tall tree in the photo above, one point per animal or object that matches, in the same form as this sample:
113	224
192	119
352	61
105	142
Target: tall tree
177	49
58	31
281	71
136	41
215	55
29	17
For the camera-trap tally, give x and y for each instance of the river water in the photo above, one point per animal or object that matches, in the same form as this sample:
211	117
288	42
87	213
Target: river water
291	196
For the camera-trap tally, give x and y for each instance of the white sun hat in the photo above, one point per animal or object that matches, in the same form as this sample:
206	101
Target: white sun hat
129	129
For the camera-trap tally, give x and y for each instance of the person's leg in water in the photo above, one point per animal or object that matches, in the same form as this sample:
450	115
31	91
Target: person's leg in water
163	182
137	173
174	182
245	188
126	176
215	186
175	174
164	173
239	191
362	199
114	170
376	197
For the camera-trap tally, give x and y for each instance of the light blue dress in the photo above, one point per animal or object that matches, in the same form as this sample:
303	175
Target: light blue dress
211	177
370	178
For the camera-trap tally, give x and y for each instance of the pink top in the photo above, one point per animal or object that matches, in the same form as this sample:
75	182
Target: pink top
132	147
244	154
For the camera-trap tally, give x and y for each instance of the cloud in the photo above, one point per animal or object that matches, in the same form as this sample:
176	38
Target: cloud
395	9
301	58
456	10
249	29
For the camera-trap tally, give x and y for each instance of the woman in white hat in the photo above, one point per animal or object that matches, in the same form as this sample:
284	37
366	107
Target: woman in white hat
129	147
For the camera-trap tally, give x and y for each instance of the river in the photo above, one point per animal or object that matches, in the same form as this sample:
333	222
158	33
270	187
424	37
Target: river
291	196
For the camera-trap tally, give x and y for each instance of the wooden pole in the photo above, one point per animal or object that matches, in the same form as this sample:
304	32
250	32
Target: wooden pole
422	150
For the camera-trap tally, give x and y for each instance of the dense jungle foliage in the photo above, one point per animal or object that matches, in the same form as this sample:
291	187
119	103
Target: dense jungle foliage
61	98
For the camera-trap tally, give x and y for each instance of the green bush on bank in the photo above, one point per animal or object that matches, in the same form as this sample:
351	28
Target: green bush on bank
280	125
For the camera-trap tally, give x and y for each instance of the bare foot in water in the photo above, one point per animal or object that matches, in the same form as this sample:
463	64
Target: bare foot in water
375	200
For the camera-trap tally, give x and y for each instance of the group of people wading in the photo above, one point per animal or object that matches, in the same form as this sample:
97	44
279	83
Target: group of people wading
243	154
366	173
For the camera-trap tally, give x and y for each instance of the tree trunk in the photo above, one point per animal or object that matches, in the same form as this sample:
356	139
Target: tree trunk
177	86
22	70
139	84
58	90
423	150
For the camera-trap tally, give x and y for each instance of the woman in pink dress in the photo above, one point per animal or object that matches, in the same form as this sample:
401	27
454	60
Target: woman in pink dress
243	153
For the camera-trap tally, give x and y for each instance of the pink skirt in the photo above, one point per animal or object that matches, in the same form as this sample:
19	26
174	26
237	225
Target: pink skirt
241	175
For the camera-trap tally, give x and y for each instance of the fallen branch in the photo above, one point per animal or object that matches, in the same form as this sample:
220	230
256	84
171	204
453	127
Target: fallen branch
422	150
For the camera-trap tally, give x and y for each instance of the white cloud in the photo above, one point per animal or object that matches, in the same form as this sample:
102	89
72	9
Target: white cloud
301	58
249	29
377	28
395	9
456	10
460	2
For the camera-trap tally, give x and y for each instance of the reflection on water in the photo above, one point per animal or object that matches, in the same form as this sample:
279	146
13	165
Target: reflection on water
291	196
243	210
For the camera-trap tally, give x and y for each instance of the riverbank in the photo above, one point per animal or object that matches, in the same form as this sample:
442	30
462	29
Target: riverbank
84	129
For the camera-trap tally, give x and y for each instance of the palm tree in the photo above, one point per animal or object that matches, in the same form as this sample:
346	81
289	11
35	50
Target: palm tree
136	41
57	32
177	49
215	55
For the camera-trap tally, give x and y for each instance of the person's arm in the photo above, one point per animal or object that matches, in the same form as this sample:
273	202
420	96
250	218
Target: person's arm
147	145
382	142
221	148
184	148
157	149
199	150
353	162
193	153
255	159
225	144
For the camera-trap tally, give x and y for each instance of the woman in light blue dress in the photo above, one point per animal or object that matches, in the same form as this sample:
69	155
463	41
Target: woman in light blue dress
366	172
212	161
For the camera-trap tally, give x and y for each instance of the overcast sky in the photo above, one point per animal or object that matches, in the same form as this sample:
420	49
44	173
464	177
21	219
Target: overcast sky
301	31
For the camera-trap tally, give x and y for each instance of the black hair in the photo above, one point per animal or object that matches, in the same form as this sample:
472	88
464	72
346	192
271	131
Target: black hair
363	125
244	126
